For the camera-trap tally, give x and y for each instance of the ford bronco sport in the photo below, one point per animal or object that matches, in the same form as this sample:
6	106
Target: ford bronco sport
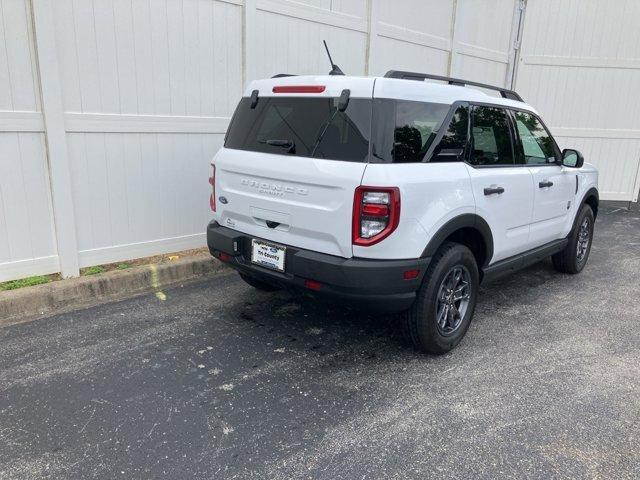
400	194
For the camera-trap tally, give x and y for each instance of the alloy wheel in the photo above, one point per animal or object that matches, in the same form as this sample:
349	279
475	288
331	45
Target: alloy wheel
584	238
454	296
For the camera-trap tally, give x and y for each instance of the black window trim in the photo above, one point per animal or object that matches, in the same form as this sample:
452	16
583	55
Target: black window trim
520	157
510	109
516	142
515	109
515	137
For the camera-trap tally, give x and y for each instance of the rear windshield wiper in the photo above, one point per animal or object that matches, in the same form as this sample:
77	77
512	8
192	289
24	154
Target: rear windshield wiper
323	130
288	144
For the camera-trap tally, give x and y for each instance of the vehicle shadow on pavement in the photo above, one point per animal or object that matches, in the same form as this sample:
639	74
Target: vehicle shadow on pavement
300	322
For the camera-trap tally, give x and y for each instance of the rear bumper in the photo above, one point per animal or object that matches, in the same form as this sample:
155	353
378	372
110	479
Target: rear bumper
375	283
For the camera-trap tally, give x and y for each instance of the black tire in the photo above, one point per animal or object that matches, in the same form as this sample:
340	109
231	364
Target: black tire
421	320
571	260
259	284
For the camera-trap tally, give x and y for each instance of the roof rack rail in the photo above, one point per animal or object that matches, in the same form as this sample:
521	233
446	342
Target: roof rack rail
504	92
280	75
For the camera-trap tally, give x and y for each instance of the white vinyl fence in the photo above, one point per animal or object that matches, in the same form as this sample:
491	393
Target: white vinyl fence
110	110
580	67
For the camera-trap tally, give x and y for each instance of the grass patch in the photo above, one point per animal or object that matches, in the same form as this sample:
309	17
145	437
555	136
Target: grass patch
92	270
24	282
122	266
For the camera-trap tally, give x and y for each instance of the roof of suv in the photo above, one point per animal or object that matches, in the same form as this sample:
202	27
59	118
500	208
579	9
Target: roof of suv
383	87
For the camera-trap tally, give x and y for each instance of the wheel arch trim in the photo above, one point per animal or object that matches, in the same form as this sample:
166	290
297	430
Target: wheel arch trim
591	193
467	220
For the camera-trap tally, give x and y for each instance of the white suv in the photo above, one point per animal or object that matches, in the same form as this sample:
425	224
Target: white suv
400	194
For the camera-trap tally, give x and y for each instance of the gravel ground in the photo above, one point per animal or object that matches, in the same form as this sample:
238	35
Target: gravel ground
219	381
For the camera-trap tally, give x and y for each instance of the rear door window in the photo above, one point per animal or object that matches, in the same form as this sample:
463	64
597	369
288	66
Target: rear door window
491	137
303	127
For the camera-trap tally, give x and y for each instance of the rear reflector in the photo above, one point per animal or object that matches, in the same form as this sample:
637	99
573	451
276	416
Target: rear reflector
312	285
224	257
299	89
411	274
375	210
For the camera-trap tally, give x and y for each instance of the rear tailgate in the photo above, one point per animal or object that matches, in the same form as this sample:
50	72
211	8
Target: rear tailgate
302	202
283	173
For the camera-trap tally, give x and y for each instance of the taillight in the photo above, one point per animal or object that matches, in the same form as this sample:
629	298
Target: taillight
212	182
376	213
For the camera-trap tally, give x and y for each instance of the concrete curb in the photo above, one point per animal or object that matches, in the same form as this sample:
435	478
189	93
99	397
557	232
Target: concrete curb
65	295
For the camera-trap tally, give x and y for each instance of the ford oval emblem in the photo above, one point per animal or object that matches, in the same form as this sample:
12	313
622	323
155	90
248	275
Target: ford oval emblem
223	200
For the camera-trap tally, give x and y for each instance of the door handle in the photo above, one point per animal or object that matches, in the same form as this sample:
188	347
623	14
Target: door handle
493	190
545	184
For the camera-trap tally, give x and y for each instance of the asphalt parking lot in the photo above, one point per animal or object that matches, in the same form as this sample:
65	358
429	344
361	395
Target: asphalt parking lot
220	381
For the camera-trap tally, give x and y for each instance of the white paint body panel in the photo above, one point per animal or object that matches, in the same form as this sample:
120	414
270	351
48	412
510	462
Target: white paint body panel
508	214
551	204
431	194
311	199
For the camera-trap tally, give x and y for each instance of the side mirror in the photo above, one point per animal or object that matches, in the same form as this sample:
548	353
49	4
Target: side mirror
572	158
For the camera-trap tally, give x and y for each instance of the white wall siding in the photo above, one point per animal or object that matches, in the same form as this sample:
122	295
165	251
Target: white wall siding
579	65
444	37
412	35
481	48
151	88
26	229
27	243
142	190
18	84
288	38
165	57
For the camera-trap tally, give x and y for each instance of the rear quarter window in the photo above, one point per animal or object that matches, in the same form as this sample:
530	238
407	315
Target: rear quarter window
403	131
452	145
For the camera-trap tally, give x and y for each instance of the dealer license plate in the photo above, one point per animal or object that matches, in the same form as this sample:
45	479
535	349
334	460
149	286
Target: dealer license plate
268	255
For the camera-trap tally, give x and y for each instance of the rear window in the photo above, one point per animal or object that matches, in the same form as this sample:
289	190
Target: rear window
303	127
